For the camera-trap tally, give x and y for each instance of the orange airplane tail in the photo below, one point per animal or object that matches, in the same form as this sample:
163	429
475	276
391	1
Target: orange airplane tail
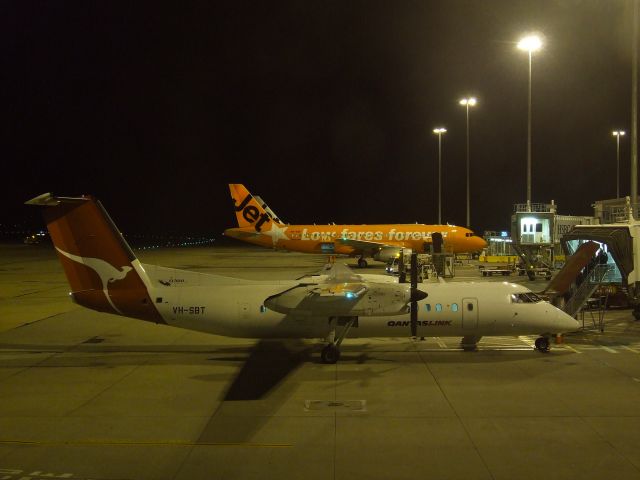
249	211
102	270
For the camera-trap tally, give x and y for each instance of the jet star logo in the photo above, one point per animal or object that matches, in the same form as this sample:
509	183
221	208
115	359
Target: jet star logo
107	272
251	213
277	233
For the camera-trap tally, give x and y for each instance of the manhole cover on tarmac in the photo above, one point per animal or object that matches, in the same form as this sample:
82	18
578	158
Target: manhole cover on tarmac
337	405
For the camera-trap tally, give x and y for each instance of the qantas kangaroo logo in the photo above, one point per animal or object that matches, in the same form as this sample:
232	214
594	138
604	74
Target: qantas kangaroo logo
251	213
107	272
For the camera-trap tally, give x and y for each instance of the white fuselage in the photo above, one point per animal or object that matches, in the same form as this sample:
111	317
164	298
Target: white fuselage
236	308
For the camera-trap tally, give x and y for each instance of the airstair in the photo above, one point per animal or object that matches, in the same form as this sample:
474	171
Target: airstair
584	292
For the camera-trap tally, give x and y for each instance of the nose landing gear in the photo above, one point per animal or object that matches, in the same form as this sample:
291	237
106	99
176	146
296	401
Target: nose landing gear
542	344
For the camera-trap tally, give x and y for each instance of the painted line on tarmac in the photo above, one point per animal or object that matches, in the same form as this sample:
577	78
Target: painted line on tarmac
527	341
440	343
99	443
630	349
569	347
607	349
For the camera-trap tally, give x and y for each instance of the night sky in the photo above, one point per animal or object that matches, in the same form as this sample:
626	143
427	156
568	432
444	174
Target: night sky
324	108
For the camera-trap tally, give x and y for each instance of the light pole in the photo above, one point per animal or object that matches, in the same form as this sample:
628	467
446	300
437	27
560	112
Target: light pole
439	131
531	43
618	134
468	102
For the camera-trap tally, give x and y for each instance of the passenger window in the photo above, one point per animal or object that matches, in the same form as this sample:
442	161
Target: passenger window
470	307
438	307
428	307
454	307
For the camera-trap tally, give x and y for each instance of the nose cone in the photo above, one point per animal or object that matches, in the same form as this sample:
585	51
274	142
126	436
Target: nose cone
565	323
479	243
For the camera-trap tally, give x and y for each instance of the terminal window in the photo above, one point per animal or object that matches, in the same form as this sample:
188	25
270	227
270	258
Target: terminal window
535	230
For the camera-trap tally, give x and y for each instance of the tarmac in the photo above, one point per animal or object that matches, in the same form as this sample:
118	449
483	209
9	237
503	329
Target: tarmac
85	395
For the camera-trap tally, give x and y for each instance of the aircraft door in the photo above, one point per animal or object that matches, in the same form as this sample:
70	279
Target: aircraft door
243	310
469	313
437	240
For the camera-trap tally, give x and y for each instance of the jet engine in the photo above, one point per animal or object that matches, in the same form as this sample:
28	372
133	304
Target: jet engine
386	254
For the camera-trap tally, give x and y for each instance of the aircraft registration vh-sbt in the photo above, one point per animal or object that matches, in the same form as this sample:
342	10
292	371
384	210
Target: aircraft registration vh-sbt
259	225
105	275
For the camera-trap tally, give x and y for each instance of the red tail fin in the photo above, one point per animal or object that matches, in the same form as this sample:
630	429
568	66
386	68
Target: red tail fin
103	272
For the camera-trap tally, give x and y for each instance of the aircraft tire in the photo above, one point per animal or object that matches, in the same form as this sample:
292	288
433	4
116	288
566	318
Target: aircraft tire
542	344
362	263
330	354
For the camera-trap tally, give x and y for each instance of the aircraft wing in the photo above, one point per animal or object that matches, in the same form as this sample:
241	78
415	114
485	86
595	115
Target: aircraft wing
340	273
341	293
318	299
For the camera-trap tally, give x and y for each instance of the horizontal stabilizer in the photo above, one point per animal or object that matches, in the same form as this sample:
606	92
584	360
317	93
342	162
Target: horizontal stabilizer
48	200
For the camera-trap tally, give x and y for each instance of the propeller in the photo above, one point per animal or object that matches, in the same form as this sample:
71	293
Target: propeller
416	295
402	274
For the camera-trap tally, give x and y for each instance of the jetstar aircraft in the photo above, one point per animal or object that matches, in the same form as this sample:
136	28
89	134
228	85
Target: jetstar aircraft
105	275
257	225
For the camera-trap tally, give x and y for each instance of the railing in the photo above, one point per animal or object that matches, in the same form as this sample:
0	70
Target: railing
586	289
616	214
534	207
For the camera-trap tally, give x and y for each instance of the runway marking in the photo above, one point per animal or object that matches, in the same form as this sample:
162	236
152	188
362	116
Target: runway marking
132	443
630	349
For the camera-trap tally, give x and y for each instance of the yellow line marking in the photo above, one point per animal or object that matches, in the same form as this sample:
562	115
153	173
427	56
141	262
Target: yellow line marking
607	349
526	340
630	349
569	347
132	443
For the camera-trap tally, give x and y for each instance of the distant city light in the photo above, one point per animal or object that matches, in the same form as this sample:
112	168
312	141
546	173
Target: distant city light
440	130
618	133
530	43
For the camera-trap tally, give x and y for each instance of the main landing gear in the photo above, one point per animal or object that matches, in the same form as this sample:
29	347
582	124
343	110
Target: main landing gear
542	344
362	263
331	353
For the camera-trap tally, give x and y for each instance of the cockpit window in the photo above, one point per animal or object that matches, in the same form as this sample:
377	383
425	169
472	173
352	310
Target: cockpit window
525	298
468	234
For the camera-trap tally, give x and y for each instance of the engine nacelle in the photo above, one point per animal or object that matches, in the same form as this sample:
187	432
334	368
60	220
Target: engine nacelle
352	299
387	254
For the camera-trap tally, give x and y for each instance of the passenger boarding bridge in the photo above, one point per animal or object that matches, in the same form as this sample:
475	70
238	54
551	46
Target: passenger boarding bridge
620	240
536	230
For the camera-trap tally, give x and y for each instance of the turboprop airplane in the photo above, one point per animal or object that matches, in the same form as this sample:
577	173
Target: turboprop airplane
260	226
105	275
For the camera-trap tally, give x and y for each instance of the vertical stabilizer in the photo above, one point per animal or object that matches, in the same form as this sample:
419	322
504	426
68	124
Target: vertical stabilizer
249	211
102	270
